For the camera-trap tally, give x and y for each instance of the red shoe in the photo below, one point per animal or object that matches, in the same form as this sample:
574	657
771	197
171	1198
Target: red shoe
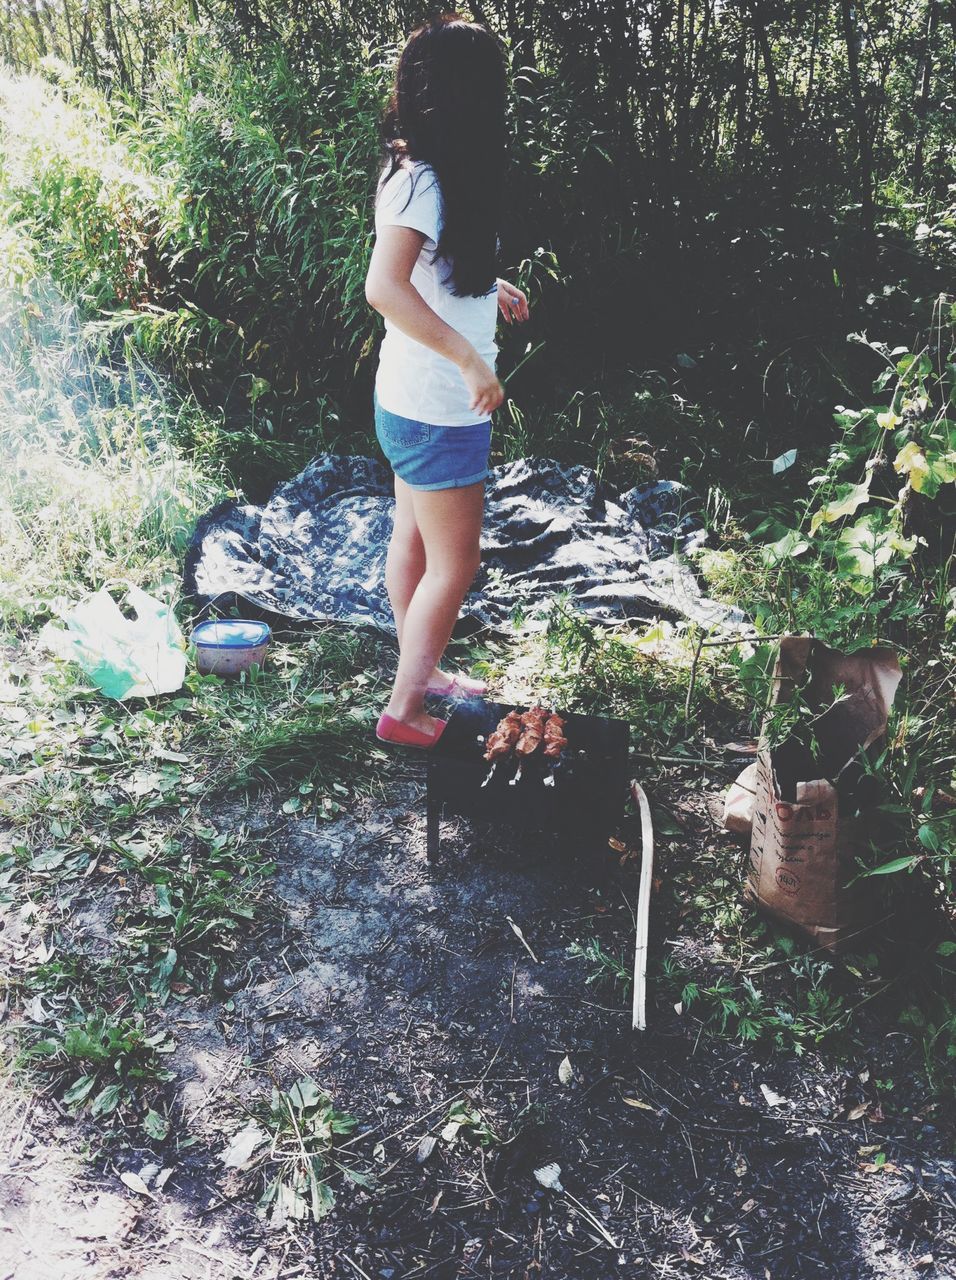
389	729
457	690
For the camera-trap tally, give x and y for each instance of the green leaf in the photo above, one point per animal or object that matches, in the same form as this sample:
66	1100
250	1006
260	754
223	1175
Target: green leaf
46	1048
79	1090
928	838
946	949
155	1125
848	498
791	545
107	1100
306	1093
867	546
78	1043
898	864
48	860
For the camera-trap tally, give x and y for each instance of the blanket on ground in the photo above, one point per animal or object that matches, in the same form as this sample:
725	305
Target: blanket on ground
316	549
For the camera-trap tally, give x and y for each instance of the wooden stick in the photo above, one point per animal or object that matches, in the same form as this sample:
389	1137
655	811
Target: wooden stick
638	1006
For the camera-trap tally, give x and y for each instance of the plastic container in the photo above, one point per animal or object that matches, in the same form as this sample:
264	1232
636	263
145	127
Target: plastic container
231	645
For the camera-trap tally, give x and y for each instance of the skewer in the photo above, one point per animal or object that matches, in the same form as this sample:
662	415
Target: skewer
490	775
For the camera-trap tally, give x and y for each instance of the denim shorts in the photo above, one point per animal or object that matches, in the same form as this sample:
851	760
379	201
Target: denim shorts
426	456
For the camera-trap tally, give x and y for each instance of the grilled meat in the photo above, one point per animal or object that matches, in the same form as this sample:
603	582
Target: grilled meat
501	742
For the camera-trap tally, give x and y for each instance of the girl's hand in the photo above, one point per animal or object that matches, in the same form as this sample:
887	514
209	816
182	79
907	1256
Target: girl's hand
487	392
512	303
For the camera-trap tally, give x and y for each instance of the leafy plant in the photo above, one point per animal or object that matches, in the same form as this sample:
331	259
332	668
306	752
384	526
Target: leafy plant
297	1137
465	1120
605	968
204	897
117	1060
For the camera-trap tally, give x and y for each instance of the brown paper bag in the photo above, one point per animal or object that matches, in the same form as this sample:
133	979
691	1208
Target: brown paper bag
809	817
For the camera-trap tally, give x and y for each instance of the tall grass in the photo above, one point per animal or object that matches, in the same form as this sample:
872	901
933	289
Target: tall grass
264	225
92	484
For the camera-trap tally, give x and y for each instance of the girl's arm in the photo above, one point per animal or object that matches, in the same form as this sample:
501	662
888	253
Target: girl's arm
389	290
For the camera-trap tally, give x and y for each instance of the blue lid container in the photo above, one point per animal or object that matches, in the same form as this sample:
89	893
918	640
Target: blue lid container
231	633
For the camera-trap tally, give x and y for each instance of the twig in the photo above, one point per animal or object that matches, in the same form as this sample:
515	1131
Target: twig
345	1258
708	644
692	680
589	1217
694	760
279	994
639	1002
452	1097
521	938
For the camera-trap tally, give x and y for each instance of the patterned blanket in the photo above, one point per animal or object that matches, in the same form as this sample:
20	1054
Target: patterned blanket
316	549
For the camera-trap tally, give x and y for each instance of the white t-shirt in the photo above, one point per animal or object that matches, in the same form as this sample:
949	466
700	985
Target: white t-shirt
412	380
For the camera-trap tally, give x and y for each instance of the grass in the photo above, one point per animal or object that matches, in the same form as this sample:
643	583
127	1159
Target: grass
116	808
105	463
119	1064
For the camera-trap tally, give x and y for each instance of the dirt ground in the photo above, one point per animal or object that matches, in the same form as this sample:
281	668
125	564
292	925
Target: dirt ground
401	986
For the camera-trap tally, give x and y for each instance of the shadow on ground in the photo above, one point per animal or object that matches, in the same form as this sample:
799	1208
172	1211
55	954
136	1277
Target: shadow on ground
401	986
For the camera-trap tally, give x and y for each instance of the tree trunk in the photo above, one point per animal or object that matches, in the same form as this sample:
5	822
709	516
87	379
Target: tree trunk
864	142
776	130
922	98
38	36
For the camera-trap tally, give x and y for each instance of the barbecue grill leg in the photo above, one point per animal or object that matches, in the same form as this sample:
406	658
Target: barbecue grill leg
433	810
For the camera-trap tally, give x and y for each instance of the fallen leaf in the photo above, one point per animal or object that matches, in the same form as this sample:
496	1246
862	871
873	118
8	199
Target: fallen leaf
773	1099
242	1146
748	1205
34	1010
136	1183
925	1261
565	1071
425	1148
859	1110
740	1166
638	1102
549	1176
162	1178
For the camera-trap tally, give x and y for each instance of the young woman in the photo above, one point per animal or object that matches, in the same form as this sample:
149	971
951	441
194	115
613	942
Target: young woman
432	276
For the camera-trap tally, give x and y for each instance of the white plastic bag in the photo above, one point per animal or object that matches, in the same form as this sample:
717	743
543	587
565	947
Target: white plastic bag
125	658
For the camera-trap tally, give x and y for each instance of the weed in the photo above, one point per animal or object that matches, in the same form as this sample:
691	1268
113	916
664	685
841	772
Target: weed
118	1062
465	1120
182	935
297	1137
605	969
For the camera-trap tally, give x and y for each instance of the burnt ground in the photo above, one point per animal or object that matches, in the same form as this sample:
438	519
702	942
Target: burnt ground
400	987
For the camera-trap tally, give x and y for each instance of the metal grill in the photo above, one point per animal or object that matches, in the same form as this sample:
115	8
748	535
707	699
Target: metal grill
581	804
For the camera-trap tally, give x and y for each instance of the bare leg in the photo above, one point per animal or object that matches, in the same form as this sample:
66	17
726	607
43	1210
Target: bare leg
449	521
405	562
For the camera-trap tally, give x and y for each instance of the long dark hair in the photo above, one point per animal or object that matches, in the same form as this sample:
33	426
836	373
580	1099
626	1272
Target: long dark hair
447	108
